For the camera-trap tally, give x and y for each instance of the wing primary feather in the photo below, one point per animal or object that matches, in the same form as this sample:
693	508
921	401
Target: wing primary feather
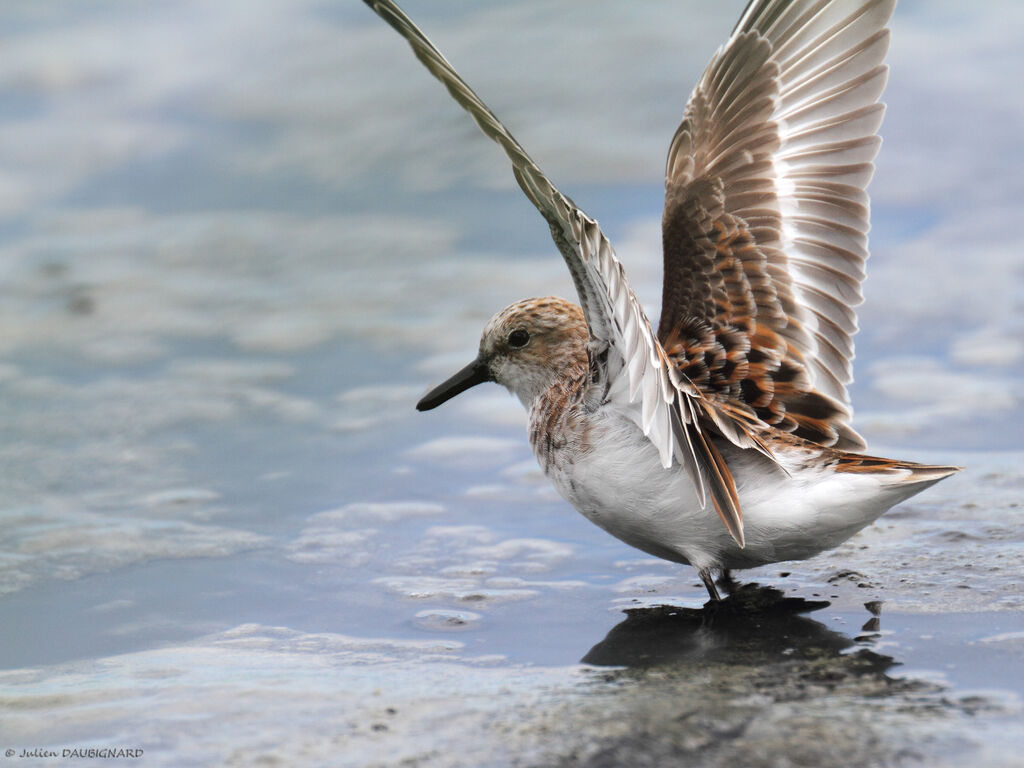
723	488
689	462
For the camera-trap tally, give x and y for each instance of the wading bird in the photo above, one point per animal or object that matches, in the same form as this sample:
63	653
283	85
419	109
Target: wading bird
724	439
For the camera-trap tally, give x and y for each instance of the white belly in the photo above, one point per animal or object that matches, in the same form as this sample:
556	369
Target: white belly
620	485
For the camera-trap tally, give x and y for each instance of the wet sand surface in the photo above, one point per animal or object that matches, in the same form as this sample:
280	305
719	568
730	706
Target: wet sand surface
239	244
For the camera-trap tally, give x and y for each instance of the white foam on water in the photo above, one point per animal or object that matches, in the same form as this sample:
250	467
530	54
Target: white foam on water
65	542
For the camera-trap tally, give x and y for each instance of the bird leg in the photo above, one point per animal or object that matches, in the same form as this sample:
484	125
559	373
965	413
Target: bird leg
709	582
727	582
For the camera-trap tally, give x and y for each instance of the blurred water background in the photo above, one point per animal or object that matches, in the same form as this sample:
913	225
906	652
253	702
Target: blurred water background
238	242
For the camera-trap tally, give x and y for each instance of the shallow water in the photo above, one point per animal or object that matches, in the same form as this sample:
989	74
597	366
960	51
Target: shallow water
239	243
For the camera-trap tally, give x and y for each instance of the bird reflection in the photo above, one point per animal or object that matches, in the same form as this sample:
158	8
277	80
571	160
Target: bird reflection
754	626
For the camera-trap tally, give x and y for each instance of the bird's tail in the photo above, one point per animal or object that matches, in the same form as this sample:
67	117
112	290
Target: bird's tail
900	478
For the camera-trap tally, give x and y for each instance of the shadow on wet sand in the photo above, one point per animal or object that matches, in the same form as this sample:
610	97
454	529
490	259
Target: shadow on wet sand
754	626
749	681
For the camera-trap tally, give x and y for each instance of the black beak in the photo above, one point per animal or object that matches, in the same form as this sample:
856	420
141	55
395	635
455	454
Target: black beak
475	373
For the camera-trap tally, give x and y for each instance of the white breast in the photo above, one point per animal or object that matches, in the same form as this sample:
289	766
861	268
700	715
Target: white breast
618	483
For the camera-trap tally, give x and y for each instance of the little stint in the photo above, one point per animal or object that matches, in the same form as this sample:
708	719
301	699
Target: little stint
723	440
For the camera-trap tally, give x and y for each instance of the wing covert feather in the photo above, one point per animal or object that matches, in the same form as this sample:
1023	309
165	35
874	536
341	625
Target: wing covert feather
775	149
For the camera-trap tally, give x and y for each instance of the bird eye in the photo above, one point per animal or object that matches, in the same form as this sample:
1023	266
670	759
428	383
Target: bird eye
518	338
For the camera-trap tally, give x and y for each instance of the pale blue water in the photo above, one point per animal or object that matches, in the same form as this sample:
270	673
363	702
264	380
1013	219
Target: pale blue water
239	242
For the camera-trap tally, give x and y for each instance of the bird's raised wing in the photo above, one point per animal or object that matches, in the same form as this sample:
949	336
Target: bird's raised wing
766	214
627	360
